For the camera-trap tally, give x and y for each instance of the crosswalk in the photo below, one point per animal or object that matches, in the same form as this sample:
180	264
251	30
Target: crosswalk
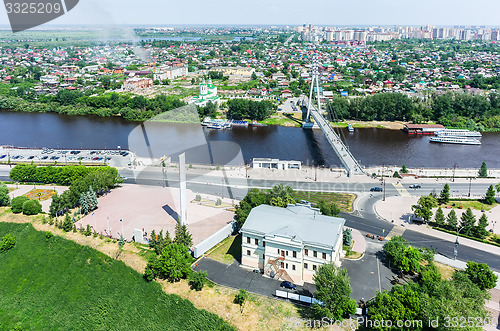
396	231
400	188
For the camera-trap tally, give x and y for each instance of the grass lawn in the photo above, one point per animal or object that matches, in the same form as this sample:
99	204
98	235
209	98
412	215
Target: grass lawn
227	250
445	270
472	204
342	200
57	284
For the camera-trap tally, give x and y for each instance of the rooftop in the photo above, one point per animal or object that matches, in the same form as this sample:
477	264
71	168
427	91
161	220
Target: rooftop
301	223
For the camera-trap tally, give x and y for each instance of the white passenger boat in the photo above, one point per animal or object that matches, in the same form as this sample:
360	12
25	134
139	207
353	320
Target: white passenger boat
455	140
457	133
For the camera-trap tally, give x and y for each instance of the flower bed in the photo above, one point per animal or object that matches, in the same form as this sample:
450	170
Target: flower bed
40	194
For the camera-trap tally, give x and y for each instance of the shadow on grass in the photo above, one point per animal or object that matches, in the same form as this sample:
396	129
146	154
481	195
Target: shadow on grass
290	117
235	249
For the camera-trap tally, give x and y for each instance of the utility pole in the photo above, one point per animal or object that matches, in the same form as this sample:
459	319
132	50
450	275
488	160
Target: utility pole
454	168
384	190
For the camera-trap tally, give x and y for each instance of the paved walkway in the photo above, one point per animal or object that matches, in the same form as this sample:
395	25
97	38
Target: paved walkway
359	242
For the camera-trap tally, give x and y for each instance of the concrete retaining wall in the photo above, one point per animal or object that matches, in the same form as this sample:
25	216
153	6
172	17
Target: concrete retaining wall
214	239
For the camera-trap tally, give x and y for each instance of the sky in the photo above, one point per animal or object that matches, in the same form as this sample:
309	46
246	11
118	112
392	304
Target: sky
281	12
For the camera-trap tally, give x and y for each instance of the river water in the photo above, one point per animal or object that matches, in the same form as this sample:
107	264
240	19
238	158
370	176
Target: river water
372	146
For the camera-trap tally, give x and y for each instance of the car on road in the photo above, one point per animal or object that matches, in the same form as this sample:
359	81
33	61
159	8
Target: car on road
376	189
31	157
2	156
54	157
44	157
287	284
415	186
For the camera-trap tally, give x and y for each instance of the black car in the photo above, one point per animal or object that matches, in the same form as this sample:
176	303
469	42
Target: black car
2	156
376	189
45	157
287	284
31	157
415	186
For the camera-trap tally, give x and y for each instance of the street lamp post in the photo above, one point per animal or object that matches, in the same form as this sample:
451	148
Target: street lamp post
470	183
384	190
455	249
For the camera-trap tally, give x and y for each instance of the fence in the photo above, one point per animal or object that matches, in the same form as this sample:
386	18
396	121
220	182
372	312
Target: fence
214	239
297	297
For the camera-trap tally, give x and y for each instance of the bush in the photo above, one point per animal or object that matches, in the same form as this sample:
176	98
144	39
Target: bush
17	204
48	235
8	241
4	195
197	280
32	207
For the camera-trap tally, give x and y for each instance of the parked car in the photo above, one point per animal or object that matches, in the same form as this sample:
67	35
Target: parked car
415	186
54	157
2	156
287	284
31	157
376	189
44	157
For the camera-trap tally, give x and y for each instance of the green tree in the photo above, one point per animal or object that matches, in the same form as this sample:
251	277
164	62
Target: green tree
68	223
423	207
401	303
197	280
467	222
403	256
439	217
396	174
4	195
182	235
88	231
8	241
481	275
480	230
328	208
483	171
490	196
333	288
452	220
444	196
240	298
172	264
404	170
347	237
17	204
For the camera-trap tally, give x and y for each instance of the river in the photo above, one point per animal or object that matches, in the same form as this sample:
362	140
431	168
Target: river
372	146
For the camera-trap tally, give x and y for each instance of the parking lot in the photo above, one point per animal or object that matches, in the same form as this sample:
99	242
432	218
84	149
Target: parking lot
65	156
237	277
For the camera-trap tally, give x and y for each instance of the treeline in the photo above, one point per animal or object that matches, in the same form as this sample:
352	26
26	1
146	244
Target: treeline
64	175
84	183
249	109
453	110
137	108
429	301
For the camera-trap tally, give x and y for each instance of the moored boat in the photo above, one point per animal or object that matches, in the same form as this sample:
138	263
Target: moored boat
255	123
457	133
455	140
350	127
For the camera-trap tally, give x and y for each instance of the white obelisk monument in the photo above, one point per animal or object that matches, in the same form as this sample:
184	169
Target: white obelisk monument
182	185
